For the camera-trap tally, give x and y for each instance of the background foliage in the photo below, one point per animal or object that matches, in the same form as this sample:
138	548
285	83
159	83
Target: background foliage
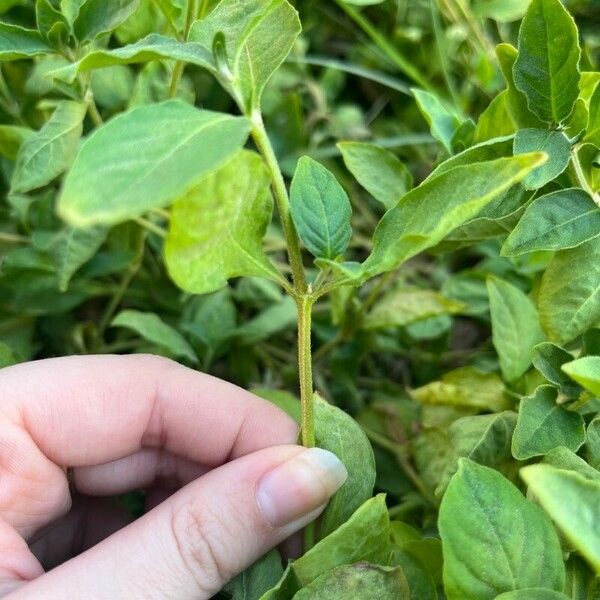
470	357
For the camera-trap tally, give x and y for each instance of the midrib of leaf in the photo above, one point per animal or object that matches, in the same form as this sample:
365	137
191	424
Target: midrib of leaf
541	424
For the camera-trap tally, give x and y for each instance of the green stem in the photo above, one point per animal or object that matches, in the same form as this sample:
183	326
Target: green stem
307	425
261	139
150	226
402	63
12	238
581	178
192	12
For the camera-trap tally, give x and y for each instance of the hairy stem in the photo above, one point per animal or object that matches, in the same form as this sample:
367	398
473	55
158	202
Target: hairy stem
307	425
261	139
193	9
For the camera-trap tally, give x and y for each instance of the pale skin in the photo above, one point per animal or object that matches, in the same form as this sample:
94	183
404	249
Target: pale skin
225	479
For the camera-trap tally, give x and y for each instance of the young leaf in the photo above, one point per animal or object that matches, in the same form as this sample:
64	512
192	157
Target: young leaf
568	299
495	121
572	501
216	229
516	101
554	143
50	22
442	122
320	210
152	328
364	537
153	47
494	540
544	425
556	221
402	306
377	170
586	372
257	37
111	181
339	433
548	359
361	581
547	68
47	154
17	42
429	212
96	17
515	327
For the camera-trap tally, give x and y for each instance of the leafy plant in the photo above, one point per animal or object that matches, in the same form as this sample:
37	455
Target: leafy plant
199	178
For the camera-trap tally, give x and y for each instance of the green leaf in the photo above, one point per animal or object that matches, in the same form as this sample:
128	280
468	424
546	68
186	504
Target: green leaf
402	306
586	372
47	154
274	319
7	356
592	132
216	229
254	581
442	122
494	540
339	433
152	47
71	249
515	327
548	359
484	439
377	170
466	386
111	181
516	102
544	425
532	594
592	444
554	143
257	35
563	458
152	328
425	215
569	298
17	42
572	501
361	581
364	537
320	210
547	68
50	22
556	221
96	17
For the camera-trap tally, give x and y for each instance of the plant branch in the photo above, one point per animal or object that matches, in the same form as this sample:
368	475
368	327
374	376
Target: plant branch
261	139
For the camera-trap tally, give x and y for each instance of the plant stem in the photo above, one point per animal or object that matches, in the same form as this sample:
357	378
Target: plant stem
307	425
12	238
581	178
190	17
261	139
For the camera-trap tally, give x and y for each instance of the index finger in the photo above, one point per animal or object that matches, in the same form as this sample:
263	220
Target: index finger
87	410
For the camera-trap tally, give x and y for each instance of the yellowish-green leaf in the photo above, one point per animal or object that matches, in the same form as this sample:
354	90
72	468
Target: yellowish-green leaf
586	372
217	228
572	502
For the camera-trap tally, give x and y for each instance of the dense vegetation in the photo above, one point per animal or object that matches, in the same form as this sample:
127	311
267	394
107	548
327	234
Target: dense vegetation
407	190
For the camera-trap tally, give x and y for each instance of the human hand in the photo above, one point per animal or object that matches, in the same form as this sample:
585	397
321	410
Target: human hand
225	481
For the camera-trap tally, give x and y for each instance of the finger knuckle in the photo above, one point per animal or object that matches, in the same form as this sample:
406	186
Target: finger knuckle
199	534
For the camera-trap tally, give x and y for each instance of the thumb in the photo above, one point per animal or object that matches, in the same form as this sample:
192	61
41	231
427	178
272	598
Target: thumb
192	544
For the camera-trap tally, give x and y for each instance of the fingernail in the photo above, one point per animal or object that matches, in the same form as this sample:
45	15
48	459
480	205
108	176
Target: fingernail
300	486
